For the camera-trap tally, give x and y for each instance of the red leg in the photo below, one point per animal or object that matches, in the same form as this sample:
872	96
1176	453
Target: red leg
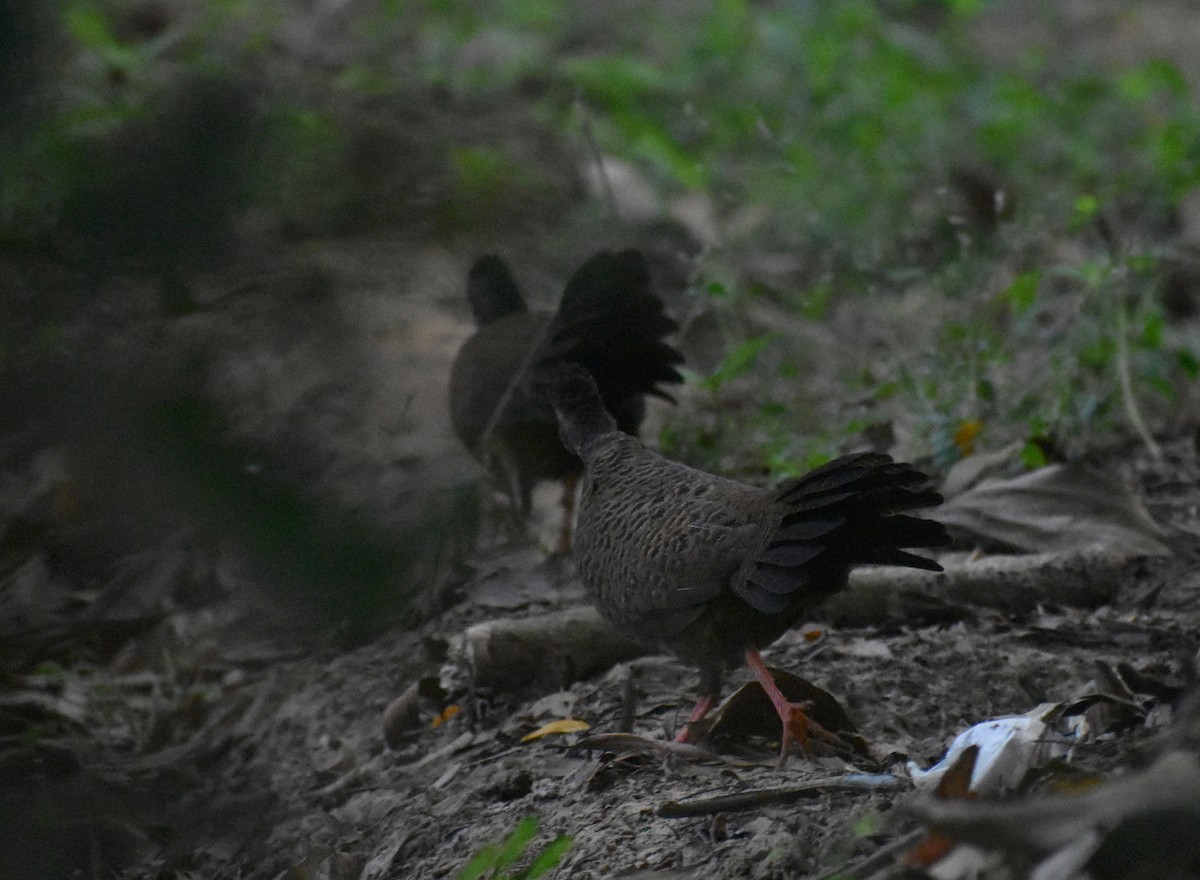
797	725
570	481
698	712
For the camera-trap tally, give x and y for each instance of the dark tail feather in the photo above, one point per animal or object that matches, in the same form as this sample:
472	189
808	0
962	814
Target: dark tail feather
611	322
849	512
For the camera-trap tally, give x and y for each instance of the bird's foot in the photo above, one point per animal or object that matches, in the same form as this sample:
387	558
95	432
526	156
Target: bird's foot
800	729
699	712
562	547
565	535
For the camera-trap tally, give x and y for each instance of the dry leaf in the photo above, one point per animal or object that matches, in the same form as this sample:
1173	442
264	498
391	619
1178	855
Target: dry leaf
562	725
748	712
445	715
965	434
1059	508
970	471
1138	825
955	784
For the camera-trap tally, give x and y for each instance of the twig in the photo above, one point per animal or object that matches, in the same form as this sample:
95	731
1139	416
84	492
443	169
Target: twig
633	743
589	140
1127	397
762	797
1112	243
876	860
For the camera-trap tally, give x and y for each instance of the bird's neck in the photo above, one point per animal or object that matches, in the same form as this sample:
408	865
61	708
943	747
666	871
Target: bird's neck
584	428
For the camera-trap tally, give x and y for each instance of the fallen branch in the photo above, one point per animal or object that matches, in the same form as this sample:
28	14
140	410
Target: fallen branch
1012	584
764	797
554	649
632	743
548	651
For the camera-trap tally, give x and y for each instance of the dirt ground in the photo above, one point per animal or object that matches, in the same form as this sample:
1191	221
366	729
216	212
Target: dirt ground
214	727
421	809
231	539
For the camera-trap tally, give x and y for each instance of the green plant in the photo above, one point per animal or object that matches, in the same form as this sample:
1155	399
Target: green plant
497	861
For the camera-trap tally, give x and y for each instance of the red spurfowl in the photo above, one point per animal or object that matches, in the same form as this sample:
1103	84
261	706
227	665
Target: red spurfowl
711	569
609	320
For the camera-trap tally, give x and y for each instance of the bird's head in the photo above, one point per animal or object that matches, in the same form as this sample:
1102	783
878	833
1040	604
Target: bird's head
492	290
571	390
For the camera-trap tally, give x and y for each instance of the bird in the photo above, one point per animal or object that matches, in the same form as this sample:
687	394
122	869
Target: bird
609	320
713	570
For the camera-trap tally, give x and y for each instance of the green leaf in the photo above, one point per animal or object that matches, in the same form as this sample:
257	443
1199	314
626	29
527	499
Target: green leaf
1085	210
736	362
866	825
1144	81
516	843
548	859
614	80
1162	386
482	862
1142	264
1188	362
965	7
814	302
815	459
88	25
657	147
1152	331
886	390
364	79
1022	292
1032	455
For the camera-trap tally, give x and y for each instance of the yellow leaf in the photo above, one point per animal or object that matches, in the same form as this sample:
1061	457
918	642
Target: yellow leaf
965	434
445	715
562	725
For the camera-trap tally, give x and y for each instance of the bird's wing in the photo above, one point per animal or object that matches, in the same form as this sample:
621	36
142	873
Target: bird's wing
489	371
667	538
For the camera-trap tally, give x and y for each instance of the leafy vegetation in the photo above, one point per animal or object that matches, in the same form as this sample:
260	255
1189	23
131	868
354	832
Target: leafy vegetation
497	861
860	137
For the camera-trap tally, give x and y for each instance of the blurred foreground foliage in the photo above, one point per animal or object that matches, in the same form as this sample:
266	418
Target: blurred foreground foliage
1030	196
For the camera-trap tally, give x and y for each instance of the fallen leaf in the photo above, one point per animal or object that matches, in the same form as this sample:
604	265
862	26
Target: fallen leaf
562	725
1138	825
954	784
748	712
445	715
1059	508
965	434
970	471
